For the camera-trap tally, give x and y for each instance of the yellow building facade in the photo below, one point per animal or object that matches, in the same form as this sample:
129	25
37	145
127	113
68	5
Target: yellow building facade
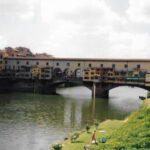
2	56
36	72
89	74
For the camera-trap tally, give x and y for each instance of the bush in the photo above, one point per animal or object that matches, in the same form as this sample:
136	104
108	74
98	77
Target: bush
148	111
74	137
140	117
147	125
147	135
87	128
57	146
96	123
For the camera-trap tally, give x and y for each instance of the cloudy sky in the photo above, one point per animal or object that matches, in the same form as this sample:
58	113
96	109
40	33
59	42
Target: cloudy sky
78	28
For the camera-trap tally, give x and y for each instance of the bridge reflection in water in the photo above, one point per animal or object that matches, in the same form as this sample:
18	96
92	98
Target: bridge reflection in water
33	121
122	100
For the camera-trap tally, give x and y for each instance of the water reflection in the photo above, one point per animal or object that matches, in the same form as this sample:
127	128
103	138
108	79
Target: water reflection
29	121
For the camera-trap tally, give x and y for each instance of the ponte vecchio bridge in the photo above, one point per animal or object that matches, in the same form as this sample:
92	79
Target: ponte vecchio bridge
99	75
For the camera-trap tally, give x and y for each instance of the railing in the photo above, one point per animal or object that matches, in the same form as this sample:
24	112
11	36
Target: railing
67	79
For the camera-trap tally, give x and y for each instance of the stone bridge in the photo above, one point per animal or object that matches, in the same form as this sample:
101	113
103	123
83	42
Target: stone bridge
73	67
99	89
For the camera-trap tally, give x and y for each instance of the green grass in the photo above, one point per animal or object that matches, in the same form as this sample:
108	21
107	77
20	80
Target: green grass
130	134
104	129
135	134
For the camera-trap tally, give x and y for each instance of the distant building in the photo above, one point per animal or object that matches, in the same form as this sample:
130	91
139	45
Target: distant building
23	52
43	55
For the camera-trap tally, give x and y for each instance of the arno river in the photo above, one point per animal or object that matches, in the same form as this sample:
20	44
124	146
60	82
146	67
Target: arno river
33	122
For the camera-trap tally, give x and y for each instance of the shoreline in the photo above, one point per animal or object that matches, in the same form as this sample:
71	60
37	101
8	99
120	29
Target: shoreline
120	134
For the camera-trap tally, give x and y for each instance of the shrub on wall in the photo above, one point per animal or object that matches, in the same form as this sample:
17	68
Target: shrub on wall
57	146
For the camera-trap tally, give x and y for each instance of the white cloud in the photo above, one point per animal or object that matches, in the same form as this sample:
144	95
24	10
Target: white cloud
80	12
102	44
139	11
17	8
131	45
3	42
80	26
76	28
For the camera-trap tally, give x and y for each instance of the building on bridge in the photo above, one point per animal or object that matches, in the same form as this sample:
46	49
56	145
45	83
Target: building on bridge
73	65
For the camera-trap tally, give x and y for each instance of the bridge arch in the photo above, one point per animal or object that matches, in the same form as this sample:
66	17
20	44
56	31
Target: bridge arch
102	89
127	92
113	86
110	87
57	72
67	72
78	72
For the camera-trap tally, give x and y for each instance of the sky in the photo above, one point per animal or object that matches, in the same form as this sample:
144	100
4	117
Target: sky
77	28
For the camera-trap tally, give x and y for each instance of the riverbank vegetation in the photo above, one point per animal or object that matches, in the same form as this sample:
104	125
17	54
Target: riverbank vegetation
131	134
103	130
135	133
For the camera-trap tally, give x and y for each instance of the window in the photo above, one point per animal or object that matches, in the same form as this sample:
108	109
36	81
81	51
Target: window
96	77
116	73
126	65
138	66
78	64
13	67
6	62
90	65
101	65
113	65
17	62
28	69
27	63
37	63
47	64
68	64
57	64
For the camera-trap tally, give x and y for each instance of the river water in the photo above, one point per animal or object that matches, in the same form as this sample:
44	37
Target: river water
33	122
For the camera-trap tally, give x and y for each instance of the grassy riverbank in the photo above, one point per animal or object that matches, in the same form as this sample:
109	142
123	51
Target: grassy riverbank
130	134
104	129
135	133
